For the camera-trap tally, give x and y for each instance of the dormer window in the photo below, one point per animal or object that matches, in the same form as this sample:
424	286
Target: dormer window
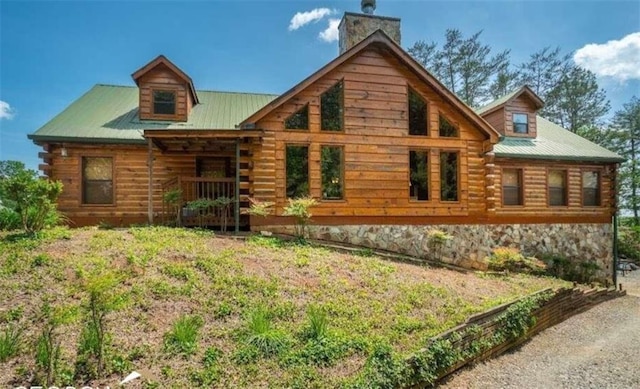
164	102
520	123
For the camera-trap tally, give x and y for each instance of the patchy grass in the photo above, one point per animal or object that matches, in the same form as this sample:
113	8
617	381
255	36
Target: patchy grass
198	310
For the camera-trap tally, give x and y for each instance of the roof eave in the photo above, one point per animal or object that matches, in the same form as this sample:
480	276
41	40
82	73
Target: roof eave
40	139
560	158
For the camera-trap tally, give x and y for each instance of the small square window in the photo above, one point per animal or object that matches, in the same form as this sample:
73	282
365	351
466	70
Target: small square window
590	189
164	102
97	180
520	123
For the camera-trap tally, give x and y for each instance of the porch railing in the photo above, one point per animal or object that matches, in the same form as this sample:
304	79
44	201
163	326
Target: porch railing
198	201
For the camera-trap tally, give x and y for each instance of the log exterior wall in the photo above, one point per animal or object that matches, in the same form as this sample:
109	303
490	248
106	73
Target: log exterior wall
376	145
162	78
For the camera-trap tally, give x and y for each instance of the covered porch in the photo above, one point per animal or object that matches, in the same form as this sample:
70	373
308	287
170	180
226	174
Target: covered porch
209	187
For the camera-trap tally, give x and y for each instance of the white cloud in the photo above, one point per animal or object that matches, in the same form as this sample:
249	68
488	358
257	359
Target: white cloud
301	19
331	32
619	59
6	112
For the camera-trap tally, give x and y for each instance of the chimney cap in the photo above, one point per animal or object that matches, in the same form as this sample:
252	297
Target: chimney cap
368	6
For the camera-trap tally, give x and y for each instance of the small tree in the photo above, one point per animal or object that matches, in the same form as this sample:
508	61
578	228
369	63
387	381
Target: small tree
224	205
260	208
173	198
299	209
34	199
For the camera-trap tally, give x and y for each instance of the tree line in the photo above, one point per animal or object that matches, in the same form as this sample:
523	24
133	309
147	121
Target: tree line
573	99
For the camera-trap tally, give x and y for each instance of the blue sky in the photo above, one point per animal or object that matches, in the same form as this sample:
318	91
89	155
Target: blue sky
51	52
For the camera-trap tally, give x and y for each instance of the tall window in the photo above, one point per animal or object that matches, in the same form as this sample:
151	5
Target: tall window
448	176
297	161
417	114
447	129
299	120
512	187
331	158
97	180
557	187
164	102
419	175
590	189
520	123
331	108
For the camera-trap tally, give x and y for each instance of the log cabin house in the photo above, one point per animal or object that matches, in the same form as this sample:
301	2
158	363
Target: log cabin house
388	151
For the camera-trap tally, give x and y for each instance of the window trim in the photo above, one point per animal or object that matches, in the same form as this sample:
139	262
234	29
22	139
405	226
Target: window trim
566	187
81	179
454	124
513	123
295	112
521	191
173	90
342	129
429	178
458	176
427	108
599	191
298	144
342	174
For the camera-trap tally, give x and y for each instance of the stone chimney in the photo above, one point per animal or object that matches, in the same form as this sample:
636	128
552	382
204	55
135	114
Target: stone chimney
355	27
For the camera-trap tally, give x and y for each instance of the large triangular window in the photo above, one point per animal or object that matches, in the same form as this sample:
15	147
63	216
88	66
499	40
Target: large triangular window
299	120
332	108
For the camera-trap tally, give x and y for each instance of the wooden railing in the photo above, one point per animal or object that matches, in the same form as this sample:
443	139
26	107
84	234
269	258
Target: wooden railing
180	203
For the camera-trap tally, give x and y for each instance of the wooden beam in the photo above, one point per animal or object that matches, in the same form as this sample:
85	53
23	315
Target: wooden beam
202	134
160	145
237	188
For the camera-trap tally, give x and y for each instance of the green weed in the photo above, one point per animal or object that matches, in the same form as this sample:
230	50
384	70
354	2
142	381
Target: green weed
183	337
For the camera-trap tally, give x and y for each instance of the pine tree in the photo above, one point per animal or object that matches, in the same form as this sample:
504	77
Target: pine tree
544	70
626	123
576	101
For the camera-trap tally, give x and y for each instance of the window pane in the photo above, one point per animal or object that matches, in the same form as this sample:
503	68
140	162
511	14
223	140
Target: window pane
512	187
417	114
557	188
590	188
97	180
297	171
419	175
164	102
299	120
331	166
449	176
520	123
331	106
446	128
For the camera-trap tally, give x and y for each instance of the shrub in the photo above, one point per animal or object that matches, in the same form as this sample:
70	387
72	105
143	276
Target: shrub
300	209
510	259
629	243
173	198
9	219
260	208
10	340
32	198
183	337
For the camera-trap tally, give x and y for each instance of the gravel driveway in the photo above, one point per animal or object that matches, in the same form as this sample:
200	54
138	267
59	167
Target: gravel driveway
599	348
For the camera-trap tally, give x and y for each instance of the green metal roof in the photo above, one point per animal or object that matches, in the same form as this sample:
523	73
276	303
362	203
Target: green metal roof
109	113
554	142
497	102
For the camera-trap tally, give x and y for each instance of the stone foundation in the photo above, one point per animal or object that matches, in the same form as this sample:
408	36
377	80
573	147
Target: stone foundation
472	243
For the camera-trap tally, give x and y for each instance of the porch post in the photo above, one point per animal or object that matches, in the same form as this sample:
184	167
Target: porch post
150	194
237	188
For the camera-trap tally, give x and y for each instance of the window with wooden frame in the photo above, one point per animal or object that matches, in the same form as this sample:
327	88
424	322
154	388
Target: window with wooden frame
419	175
97	181
512	191
332	108
591	189
557	183
446	128
449	183
164	102
332	171
297	171
520	123
418	117
299	120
